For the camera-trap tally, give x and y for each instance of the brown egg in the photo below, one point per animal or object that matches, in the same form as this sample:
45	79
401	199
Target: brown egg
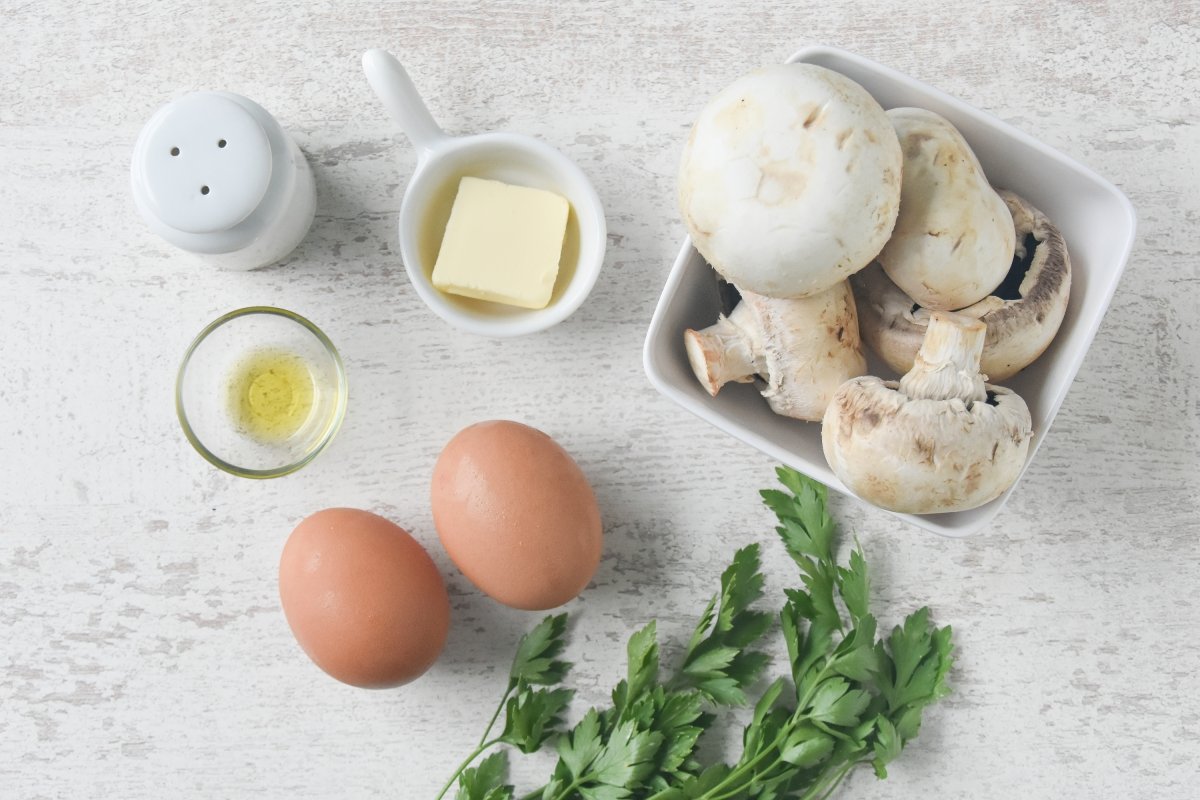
363	598
516	515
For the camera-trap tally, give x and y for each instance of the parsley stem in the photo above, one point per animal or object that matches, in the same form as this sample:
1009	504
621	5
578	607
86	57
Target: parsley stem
722	790
832	732
465	763
812	689
741	769
484	743
566	793
491	723
825	787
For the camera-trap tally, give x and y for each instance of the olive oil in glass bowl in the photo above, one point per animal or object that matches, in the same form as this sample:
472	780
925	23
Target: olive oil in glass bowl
261	391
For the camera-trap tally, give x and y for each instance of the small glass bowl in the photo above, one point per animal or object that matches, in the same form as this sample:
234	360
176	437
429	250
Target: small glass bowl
203	391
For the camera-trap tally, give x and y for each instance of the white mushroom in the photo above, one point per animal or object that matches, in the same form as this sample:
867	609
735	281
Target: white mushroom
790	180
938	440
1022	315
802	349
953	241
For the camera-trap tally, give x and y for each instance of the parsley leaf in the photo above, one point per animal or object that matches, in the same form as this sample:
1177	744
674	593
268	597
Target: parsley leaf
532	716
627	757
887	746
486	781
717	663
536	661
580	748
848	698
642	652
855	585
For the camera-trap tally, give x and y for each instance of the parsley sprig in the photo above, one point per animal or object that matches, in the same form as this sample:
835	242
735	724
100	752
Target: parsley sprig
850	697
532	713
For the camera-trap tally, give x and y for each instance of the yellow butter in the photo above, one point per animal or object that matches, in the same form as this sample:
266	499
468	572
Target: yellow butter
502	243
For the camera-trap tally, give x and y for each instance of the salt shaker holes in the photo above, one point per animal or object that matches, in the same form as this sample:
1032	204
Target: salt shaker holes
214	174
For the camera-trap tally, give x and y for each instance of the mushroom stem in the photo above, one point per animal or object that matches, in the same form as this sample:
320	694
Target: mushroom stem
801	349
726	350
937	441
1022	315
947	365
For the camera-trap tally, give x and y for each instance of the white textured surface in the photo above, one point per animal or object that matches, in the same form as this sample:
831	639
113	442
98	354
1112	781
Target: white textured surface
142	650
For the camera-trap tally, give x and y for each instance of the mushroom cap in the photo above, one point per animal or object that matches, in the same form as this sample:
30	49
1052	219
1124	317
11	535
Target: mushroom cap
790	180
1019	328
920	456
953	241
891	324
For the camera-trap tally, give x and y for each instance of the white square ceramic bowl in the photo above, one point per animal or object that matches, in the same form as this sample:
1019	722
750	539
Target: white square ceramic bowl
1096	219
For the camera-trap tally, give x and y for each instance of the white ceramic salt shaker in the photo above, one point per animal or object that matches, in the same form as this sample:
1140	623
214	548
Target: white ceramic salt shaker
214	174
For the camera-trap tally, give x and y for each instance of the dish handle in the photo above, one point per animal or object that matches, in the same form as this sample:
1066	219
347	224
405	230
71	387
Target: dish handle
402	101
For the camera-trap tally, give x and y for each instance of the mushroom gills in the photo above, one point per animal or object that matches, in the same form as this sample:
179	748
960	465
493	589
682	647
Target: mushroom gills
1010	287
801	349
938	440
1023	315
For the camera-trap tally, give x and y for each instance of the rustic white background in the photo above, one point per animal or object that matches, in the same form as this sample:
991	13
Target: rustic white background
142	649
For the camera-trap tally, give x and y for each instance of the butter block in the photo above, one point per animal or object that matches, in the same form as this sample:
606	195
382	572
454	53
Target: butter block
502	243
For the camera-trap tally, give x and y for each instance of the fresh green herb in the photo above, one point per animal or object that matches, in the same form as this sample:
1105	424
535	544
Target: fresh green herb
531	715
645	743
850	699
487	781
